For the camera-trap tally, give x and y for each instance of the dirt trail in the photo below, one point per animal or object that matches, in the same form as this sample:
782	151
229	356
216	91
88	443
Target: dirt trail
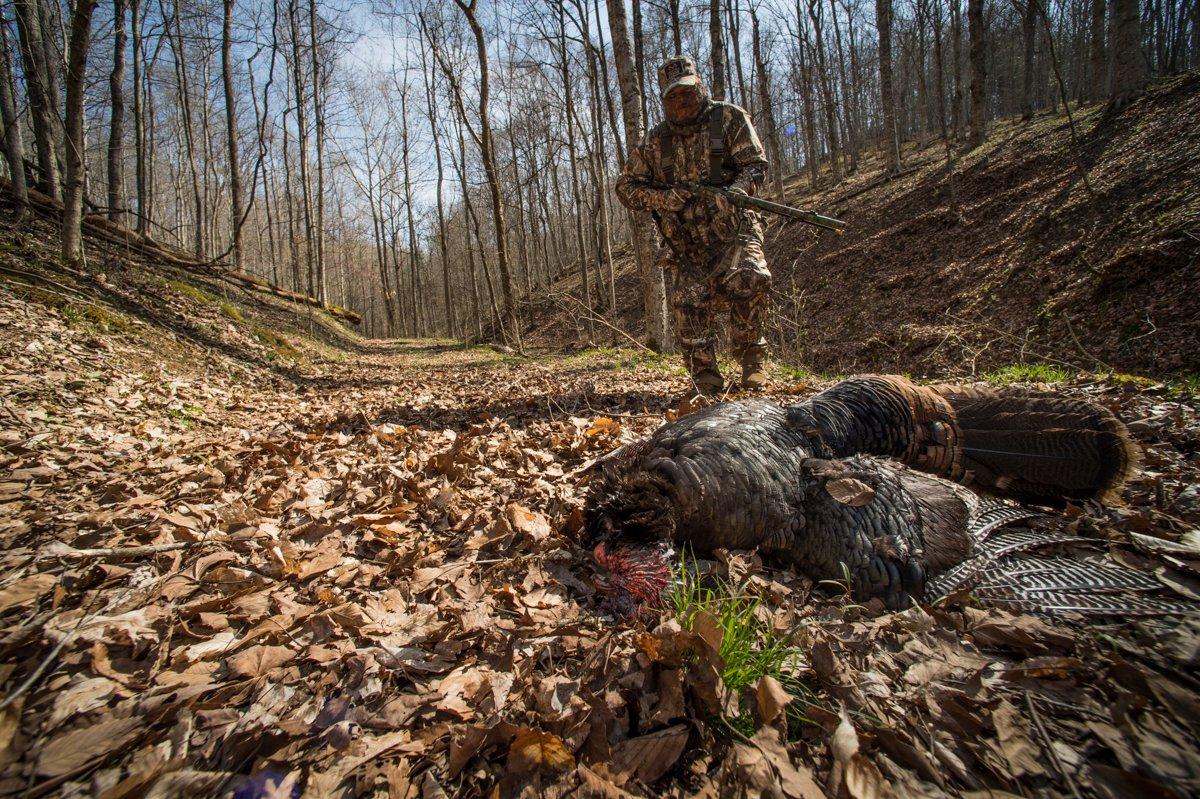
360	575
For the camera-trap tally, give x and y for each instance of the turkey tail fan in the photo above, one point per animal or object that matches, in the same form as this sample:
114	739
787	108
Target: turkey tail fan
1022	444
1039	446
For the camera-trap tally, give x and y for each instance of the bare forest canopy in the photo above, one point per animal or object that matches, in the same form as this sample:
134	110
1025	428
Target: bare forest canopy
436	166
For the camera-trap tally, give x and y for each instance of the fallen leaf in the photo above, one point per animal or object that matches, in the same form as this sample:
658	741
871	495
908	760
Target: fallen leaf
533	750
850	491
26	590
258	660
70	751
770	698
648	757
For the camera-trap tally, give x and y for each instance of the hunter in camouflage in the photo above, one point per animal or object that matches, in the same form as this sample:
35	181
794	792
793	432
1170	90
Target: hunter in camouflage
713	256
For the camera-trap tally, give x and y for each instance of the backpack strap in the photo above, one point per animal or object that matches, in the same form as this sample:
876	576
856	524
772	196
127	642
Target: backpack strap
668	158
716	147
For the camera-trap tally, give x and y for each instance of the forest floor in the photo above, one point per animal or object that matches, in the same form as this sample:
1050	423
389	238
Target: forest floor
1071	241
243	552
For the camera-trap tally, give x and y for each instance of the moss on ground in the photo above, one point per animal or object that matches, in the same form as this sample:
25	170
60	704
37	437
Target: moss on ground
191	292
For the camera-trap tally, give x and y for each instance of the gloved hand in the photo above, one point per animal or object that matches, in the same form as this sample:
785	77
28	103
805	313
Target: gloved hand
675	200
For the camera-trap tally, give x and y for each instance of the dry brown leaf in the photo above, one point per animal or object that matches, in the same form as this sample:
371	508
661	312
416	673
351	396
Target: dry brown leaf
67	752
850	491
26	590
770	698
709	629
795	781
650	756
525	521
603	424
533	750
1012	731
258	660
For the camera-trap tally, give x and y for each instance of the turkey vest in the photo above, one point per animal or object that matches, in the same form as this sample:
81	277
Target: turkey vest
718	173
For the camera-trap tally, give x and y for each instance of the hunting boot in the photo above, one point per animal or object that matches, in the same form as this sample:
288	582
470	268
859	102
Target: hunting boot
754	373
709	382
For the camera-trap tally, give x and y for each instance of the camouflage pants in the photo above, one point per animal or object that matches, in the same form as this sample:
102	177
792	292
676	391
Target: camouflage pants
738	280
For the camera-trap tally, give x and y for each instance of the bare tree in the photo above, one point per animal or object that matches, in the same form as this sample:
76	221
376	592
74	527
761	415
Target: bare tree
891	139
1098	54
14	148
116	128
771	133
77	54
717	44
1125	36
41	86
1028	12
653	289
487	148
978	59
231	134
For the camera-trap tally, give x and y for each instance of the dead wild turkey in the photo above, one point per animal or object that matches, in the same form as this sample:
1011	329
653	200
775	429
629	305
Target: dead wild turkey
826	486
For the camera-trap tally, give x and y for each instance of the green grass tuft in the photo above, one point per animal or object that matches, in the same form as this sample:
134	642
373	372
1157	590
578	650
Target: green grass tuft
231	312
1185	385
1028	373
749	648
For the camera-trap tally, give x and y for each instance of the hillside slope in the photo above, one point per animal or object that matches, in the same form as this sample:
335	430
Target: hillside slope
1082	254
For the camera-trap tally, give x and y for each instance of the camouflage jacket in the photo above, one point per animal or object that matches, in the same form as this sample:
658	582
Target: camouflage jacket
693	153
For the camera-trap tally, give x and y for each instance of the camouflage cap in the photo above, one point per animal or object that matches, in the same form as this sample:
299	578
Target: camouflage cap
678	71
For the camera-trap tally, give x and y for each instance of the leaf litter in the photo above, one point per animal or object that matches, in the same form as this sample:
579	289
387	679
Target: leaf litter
370	582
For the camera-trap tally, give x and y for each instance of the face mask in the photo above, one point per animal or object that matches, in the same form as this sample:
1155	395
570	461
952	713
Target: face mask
683	104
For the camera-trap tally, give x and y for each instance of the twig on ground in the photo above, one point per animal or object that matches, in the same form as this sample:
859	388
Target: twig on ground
1048	744
123	552
1080	346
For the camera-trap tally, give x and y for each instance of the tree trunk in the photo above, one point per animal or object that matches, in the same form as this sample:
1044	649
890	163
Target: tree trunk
733	9
599	178
430	79
639	56
231	131
116	129
828	100
1125	36
14	147
891	140
1028	11
302	143
413	260
77	53
577	198
185	102
768	115
1098	53
848	115
956	105
319	134
139	121
43	100
676	30
493	177
717	43
978	53
812	157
